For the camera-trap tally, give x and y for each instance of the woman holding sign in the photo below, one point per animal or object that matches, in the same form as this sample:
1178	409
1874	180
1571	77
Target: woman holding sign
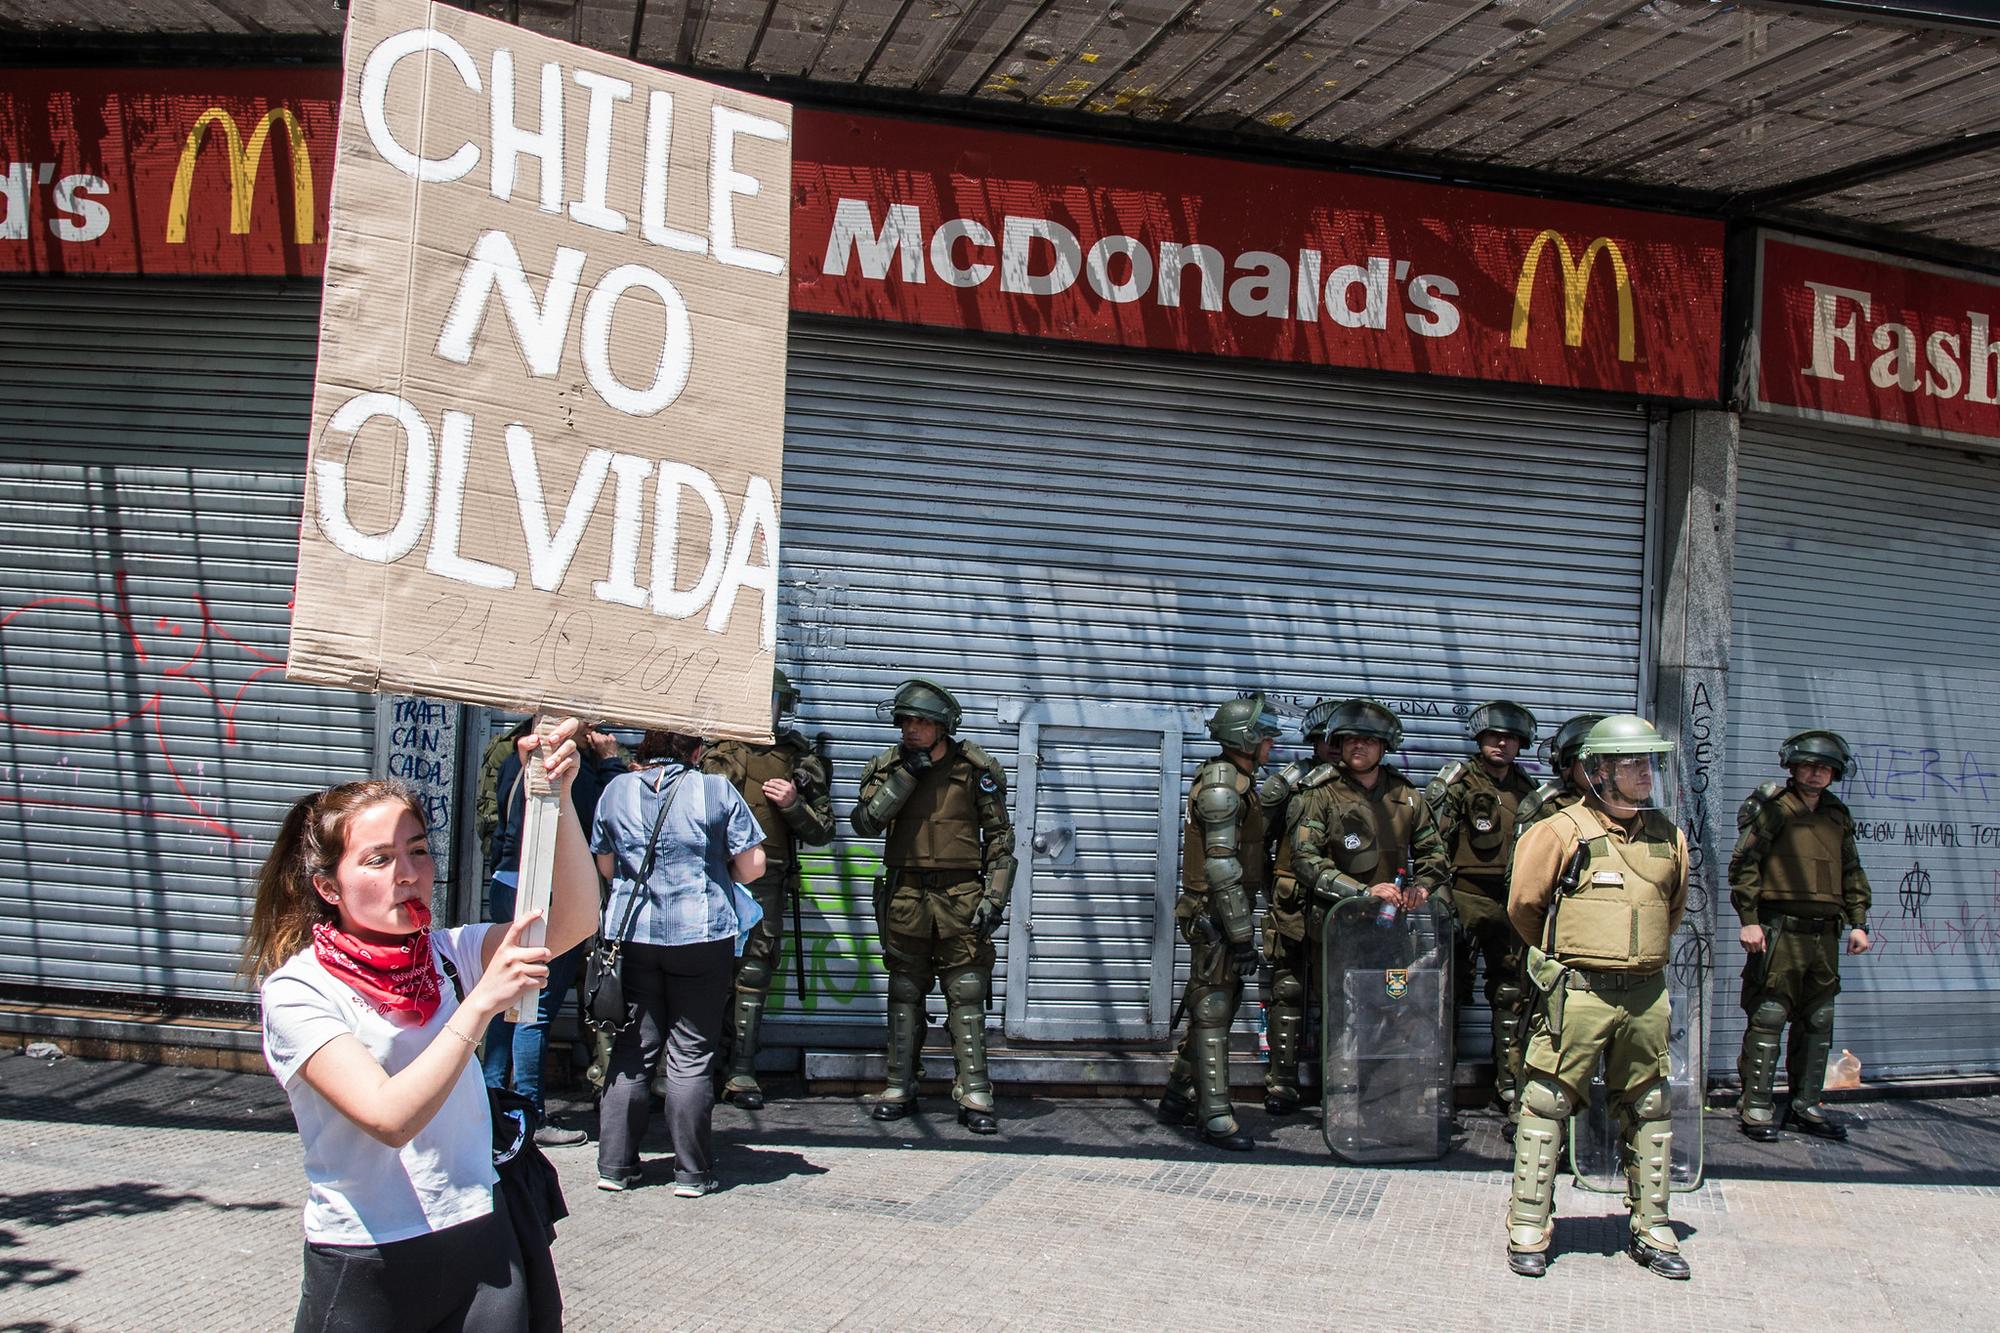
370	1020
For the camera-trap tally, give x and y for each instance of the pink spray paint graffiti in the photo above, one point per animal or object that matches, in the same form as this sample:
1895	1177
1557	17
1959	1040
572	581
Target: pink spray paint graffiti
155	658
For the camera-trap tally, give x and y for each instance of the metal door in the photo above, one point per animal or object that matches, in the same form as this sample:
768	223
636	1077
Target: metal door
1090	934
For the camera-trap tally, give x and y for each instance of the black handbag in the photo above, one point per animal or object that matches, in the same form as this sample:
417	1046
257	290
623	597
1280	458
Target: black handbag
603	989
533	1190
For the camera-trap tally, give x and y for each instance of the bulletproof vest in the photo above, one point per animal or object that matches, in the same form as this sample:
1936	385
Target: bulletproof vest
1484	846
1619	918
938	827
761	764
1251	828
1804	863
1368	832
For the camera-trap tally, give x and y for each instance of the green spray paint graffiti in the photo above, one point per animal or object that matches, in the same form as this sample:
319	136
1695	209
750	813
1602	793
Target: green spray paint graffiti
843	955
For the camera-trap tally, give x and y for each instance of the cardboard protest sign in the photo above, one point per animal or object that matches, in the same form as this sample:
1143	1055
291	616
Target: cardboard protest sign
548	415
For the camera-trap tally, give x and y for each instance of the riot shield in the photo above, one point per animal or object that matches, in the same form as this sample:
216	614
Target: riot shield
1386	1011
1596	1145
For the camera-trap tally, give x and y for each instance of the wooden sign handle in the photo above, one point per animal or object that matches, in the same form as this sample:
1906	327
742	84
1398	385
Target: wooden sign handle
538	856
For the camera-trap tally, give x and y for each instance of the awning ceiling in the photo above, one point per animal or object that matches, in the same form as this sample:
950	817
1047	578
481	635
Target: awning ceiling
1875	120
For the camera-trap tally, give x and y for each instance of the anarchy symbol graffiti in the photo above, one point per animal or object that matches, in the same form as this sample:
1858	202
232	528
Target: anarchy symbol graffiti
1915	888
1690	962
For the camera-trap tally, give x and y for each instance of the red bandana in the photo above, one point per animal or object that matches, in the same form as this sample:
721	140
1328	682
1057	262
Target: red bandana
398	981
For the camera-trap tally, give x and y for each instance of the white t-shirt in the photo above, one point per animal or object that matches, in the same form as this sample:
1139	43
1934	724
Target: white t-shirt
364	1192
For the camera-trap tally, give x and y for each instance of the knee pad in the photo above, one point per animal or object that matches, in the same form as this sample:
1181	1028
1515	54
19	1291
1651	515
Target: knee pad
1546	1098
1509	995
1288	990
964	987
1770	1015
906	989
754	974
1212	1009
1655	1103
1820	1018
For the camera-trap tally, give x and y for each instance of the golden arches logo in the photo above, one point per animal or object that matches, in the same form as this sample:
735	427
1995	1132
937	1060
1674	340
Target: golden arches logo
1576	288
244	159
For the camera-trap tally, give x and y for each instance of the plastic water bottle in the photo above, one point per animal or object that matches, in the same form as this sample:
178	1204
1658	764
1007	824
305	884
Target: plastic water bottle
1385	915
1843	1071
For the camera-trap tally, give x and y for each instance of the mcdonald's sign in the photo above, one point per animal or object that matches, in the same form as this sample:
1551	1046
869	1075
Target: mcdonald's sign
243	161
171	172
228	172
1135	247
1575	290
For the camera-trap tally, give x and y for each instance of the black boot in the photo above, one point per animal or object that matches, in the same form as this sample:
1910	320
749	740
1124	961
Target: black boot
1816	1125
1281	1101
892	1110
1764	1132
1176	1108
1528	1263
1232	1140
1664	1262
978	1121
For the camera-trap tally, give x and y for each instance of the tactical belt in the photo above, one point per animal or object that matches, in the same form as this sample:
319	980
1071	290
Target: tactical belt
929	880
1577	978
1804	925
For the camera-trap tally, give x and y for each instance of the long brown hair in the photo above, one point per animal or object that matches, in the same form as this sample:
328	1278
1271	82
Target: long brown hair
310	842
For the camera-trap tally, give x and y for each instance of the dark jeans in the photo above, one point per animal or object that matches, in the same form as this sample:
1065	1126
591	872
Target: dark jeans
679	996
467	1278
523	1045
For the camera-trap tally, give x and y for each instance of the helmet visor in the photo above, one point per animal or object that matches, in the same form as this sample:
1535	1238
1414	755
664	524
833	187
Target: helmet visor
1633	781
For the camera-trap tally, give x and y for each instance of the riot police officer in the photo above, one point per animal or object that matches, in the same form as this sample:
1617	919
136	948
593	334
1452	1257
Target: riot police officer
1285	796
786	787
1598	890
948	854
1222	870
1795	880
1565	784
1367	832
1475	803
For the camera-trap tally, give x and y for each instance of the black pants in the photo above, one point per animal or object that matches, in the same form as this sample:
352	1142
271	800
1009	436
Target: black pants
463	1279
679	997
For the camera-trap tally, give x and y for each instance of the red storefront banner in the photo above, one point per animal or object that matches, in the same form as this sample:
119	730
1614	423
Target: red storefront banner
1846	336
198	172
1101	243
227	172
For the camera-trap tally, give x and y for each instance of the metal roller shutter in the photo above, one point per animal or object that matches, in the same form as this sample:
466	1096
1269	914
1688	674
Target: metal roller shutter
149	508
1864	601
1093	549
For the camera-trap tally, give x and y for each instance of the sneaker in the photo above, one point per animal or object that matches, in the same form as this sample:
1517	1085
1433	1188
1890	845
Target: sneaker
694	1189
617	1184
553	1136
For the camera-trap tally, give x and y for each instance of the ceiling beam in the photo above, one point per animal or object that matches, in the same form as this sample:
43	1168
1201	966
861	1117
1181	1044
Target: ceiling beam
1861	173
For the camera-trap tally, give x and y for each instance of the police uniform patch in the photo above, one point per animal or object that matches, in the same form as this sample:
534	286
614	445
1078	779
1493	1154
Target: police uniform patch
1352	842
1396	981
1483	825
987	784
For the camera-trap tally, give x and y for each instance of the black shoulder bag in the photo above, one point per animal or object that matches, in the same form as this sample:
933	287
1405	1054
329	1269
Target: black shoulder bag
532	1189
603	990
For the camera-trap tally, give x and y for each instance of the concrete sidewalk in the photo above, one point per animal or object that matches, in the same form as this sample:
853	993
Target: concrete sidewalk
140	1197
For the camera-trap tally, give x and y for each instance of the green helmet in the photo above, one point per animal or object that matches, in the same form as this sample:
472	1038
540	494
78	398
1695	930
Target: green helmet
1505	717
1318	717
1563	745
1242	723
1365	717
1817	747
786	693
917	697
1623	733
